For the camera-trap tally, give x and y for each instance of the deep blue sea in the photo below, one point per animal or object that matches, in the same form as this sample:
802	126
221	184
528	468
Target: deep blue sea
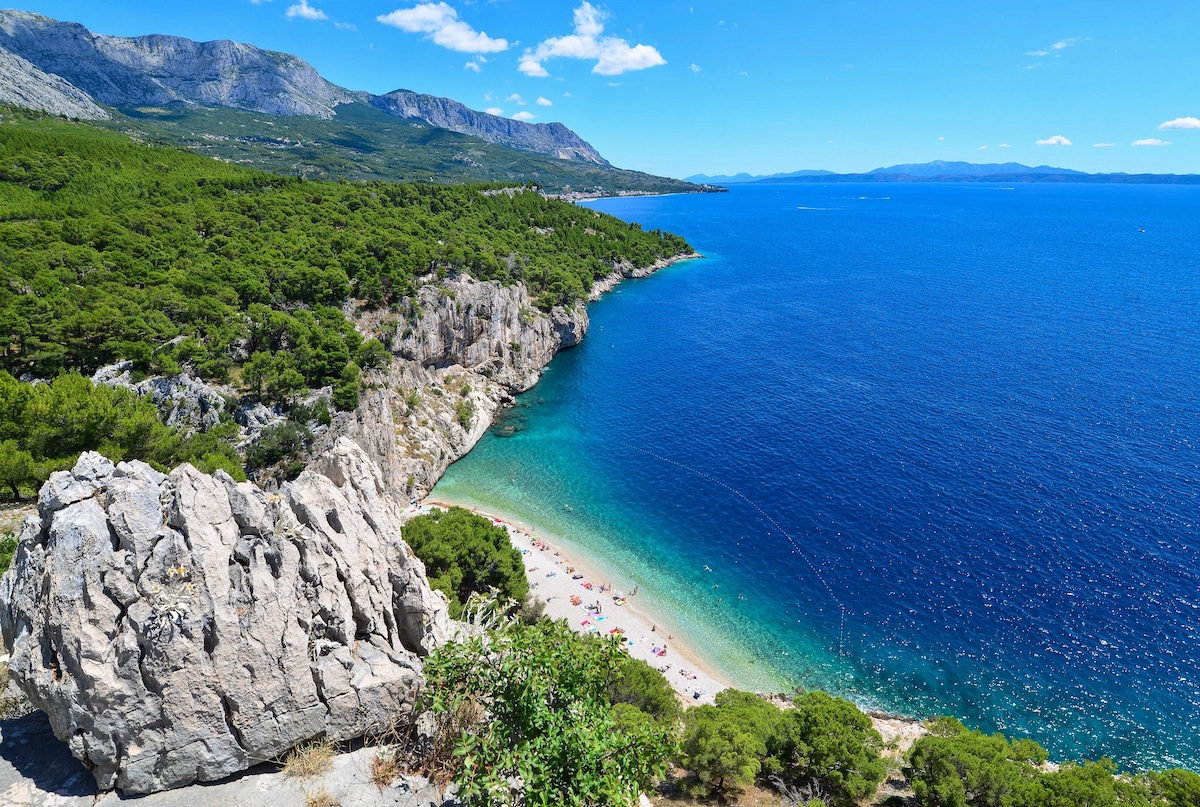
934	448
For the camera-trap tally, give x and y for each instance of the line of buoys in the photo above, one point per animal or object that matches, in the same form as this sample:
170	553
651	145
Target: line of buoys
779	529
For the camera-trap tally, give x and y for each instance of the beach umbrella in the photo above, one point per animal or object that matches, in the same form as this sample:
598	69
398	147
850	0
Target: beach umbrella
620	595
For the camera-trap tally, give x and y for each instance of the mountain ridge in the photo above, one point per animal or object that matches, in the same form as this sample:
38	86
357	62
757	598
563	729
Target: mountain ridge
73	68
953	171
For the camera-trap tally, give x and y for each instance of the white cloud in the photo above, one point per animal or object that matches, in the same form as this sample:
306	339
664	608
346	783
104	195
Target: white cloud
494	110
1151	141
345	26
473	66
696	68
544	101
1003	146
524	115
613	55
517	99
940	139
1056	140
440	23
306	12
1181	123
567	95
1103	145
982	148
1054	49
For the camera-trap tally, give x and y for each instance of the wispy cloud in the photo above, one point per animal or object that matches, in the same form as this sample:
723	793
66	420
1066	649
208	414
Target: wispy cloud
1181	123
345	26
983	148
1053	51
1151	141
524	115
1003	146
1056	140
544	101
613	55
696	68
517	99
474	66
306	12
440	24
1103	145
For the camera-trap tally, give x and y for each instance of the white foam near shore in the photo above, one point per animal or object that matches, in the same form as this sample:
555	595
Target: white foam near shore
559	579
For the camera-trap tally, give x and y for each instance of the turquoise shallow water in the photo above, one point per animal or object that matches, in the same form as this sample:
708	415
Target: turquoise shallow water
934	448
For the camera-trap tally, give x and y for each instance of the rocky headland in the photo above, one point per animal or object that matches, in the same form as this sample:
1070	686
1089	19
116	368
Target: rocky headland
462	350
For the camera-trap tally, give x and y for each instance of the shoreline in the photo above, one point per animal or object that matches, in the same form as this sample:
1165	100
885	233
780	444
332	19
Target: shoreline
543	552
547	557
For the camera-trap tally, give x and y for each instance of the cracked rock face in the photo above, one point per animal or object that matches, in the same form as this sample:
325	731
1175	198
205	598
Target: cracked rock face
183	628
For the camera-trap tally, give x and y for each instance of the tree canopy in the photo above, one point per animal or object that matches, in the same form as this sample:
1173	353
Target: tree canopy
466	554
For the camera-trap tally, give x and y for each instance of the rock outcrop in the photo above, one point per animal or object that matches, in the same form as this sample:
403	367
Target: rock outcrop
181	400
552	139
463	348
23	85
182	628
157	70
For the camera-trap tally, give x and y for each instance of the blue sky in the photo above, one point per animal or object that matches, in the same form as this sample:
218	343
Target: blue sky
686	87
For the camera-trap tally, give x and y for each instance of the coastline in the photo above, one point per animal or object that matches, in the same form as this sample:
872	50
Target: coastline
645	626
643	621
547	558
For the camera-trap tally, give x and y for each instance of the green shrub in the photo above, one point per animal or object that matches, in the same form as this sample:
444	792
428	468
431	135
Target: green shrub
466	554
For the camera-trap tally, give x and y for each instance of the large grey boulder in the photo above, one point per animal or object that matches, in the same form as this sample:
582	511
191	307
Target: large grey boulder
181	628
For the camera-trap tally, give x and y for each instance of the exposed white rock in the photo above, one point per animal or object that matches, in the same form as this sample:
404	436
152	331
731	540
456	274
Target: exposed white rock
181	400
157	70
23	84
463	348
182	628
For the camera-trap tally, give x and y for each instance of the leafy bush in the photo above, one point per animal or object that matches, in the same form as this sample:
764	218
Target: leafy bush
548	734
466	554
284	443
638	684
8	549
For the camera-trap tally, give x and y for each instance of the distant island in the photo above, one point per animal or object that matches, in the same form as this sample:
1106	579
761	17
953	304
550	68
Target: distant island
944	171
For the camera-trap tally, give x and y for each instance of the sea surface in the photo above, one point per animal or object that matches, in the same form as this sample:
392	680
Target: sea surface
934	448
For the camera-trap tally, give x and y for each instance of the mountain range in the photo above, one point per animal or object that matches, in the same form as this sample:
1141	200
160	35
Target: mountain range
195	94
948	171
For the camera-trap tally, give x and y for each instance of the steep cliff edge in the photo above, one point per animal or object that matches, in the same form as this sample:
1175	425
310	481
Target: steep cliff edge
462	349
155	70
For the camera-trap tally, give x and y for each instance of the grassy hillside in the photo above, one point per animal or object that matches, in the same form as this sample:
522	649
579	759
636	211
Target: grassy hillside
362	143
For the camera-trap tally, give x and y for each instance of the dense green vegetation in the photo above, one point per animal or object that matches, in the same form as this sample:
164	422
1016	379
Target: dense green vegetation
362	143
824	747
534	723
955	767
44	428
466	554
112	249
